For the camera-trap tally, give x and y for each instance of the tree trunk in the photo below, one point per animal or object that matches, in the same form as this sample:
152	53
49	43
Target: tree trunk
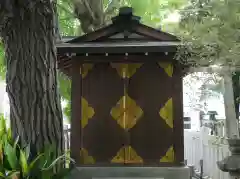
231	123
28	37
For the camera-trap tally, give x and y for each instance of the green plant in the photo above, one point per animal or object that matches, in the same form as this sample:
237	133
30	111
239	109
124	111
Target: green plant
16	163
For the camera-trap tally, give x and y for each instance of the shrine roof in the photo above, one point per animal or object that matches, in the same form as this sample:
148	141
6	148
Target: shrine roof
125	35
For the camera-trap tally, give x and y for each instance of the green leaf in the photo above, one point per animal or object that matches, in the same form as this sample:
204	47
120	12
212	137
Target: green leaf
2	175
34	162
16	142
1	153
49	155
9	134
27	151
10	153
23	163
2	126
58	159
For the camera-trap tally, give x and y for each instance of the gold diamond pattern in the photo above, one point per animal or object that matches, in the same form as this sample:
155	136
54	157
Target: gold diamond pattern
126	70
168	68
126	112
166	112
169	156
86	67
86	159
87	112
127	155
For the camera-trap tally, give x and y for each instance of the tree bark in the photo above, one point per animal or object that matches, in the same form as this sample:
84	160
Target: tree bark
28	34
90	13
231	122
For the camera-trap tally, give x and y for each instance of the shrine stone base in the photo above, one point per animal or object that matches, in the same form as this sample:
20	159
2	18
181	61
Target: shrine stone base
131	173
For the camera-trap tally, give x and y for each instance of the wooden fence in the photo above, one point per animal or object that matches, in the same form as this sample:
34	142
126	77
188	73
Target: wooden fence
210	149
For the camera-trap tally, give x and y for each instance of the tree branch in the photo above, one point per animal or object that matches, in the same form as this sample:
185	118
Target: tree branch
66	10
111	7
90	14
89	9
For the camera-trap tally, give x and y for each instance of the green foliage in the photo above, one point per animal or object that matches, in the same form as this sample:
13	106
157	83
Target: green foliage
65	86
151	12
15	161
68	23
2	62
67	110
65	91
211	32
155	11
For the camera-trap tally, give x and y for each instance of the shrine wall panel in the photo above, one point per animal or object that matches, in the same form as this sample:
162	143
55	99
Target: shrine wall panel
128	114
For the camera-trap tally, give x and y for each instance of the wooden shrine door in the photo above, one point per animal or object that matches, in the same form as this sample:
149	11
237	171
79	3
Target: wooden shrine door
131	114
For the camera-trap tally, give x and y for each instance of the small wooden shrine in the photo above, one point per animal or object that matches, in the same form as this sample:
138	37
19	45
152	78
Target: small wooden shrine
127	106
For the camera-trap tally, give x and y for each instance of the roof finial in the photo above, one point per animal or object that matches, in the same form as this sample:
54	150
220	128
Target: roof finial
126	11
125	14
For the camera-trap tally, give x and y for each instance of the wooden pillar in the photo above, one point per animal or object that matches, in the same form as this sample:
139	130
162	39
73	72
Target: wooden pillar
178	111
75	144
